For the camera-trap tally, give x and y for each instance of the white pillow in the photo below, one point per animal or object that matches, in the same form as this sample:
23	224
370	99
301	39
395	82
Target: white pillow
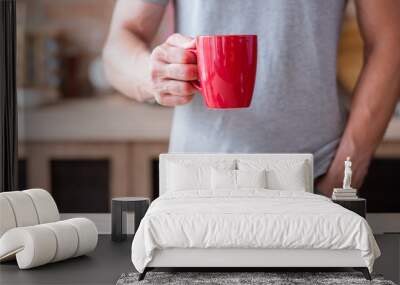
189	175
223	179
237	179
251	178
281	174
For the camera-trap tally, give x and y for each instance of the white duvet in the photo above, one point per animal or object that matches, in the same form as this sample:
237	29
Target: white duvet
250	219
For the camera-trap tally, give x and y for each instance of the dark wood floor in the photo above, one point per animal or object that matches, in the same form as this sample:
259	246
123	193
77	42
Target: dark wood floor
102	266
111	259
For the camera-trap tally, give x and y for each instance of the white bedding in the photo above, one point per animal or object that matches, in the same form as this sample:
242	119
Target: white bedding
250	218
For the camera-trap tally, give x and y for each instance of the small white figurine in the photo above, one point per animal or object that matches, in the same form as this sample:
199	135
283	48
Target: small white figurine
347	174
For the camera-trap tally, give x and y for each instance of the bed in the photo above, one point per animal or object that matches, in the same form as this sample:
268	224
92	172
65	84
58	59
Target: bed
247	210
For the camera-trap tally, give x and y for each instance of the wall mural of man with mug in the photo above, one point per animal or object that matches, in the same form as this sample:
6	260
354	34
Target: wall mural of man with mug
295	105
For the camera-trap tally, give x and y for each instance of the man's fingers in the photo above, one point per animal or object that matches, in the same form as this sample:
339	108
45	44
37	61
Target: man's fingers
177	71
172	68
172	100
181	41
171	54
179	88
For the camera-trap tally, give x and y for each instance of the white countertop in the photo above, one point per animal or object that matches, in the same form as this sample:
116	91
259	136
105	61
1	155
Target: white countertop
109	118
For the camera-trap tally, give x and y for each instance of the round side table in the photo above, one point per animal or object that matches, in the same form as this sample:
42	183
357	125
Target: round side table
119	207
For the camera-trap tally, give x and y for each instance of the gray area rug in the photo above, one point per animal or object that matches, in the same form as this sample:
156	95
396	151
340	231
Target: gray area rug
269	278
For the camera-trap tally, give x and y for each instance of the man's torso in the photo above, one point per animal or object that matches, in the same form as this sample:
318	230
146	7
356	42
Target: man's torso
295	107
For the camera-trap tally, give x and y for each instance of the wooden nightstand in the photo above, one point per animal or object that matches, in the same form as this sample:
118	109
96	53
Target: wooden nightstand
358	206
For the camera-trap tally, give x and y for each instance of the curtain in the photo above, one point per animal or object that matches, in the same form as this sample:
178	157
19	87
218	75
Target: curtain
8	109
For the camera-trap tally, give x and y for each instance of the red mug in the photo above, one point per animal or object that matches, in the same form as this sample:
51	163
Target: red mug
227	69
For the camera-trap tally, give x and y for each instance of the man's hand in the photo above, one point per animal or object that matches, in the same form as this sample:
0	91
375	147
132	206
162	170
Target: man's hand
334	177
136	71
172	67
360	156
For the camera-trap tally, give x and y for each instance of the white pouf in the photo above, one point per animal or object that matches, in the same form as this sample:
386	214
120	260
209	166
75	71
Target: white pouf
23	208
45	206
31	232
67	239
87	233
7	218
33	246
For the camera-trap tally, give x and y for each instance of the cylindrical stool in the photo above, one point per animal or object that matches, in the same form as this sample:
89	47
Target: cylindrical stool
119	206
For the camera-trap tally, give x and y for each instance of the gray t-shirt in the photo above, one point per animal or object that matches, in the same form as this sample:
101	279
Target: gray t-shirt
296	104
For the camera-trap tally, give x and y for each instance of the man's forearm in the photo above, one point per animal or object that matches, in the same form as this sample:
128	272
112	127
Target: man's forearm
377	91
371	109
127	65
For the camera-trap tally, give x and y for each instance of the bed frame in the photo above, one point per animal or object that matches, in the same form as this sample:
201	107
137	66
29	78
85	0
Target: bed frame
242	259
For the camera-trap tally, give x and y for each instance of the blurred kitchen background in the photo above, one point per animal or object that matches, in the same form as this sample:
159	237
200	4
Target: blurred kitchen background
79	138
